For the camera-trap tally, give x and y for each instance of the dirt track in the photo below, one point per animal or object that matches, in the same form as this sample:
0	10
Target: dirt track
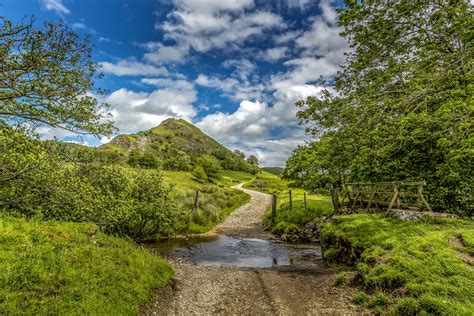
205	290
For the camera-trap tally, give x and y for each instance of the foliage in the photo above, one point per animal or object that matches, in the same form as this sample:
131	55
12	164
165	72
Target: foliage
200	174
178	145
69	268
211	167
402	106
216	200
423	266
46	79
268	183
278	171
137	158
239	153
122	201
252	160
290	218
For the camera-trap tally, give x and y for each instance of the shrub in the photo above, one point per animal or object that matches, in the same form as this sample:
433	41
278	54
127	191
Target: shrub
341	278
122	201
379	300
360	298
199	173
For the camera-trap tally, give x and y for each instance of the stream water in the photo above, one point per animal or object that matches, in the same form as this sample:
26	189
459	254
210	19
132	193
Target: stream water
226	251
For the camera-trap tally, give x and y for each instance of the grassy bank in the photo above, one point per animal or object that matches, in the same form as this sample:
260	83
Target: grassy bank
290	218
406	267
68	268
216	200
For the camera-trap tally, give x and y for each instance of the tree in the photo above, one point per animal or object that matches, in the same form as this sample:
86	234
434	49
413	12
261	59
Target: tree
402	108
199	173
46	78
239	153
252	160
211	167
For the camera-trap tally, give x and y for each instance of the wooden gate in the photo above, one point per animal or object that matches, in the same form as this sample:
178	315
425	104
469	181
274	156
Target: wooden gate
380	195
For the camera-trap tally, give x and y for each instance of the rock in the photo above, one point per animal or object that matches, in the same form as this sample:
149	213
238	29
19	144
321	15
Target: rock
407	215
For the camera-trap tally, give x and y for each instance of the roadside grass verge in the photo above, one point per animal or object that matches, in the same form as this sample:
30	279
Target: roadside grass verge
216	200
289	218
406	268
62	268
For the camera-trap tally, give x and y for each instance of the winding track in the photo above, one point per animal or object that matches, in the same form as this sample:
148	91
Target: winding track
203	290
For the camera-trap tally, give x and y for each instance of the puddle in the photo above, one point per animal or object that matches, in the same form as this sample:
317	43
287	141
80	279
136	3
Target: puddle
228	251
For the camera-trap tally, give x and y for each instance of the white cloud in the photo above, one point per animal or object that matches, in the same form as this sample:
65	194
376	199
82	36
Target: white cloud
232	88
160	54
133	111
56	6
208	24
132	68
83	27
275	54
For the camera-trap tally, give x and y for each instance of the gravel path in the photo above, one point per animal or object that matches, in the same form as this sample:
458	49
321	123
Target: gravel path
204	290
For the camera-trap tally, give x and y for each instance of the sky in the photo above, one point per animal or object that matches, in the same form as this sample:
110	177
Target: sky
234	68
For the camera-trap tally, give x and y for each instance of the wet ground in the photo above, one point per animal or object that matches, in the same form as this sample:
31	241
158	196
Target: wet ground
226	251
237	270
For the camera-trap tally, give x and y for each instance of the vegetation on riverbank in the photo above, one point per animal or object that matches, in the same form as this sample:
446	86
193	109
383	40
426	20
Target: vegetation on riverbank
294	218
51	267
406	268
215	200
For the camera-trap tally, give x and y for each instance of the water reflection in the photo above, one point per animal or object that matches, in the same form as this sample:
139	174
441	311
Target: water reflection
238	252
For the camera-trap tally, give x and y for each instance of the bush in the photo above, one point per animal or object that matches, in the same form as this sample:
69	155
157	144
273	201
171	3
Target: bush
379	300
199	173
211	167
340	278
360	298
122	201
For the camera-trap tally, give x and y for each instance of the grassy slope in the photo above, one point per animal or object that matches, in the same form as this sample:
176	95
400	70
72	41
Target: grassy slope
286	219
216	200
408	267
69	268
177	134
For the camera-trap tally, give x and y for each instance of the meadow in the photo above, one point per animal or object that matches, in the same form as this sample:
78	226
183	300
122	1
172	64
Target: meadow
295	217
404	267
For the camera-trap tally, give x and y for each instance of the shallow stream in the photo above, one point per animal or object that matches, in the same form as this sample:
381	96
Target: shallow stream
226	251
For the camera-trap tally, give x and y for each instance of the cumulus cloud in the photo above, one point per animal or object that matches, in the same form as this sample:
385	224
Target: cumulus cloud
133	111
275	54
232	88
160	54
209	24
56	6
132	68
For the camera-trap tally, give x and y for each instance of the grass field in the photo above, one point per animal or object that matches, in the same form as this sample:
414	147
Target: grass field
290	218
406	268
216	200
60	268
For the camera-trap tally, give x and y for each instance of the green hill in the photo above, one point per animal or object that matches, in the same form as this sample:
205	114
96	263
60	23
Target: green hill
274	170
175	144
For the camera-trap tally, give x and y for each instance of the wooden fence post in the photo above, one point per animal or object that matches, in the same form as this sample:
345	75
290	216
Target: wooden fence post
305	201
196	201
395	196
335	200
291	201
274	204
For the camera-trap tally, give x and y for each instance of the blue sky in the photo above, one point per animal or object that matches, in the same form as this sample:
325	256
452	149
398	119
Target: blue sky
234	68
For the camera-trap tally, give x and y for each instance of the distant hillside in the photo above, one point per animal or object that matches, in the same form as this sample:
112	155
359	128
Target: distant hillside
274	170
175	144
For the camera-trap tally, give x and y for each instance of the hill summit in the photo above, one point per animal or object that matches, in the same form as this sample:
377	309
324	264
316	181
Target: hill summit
175	144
